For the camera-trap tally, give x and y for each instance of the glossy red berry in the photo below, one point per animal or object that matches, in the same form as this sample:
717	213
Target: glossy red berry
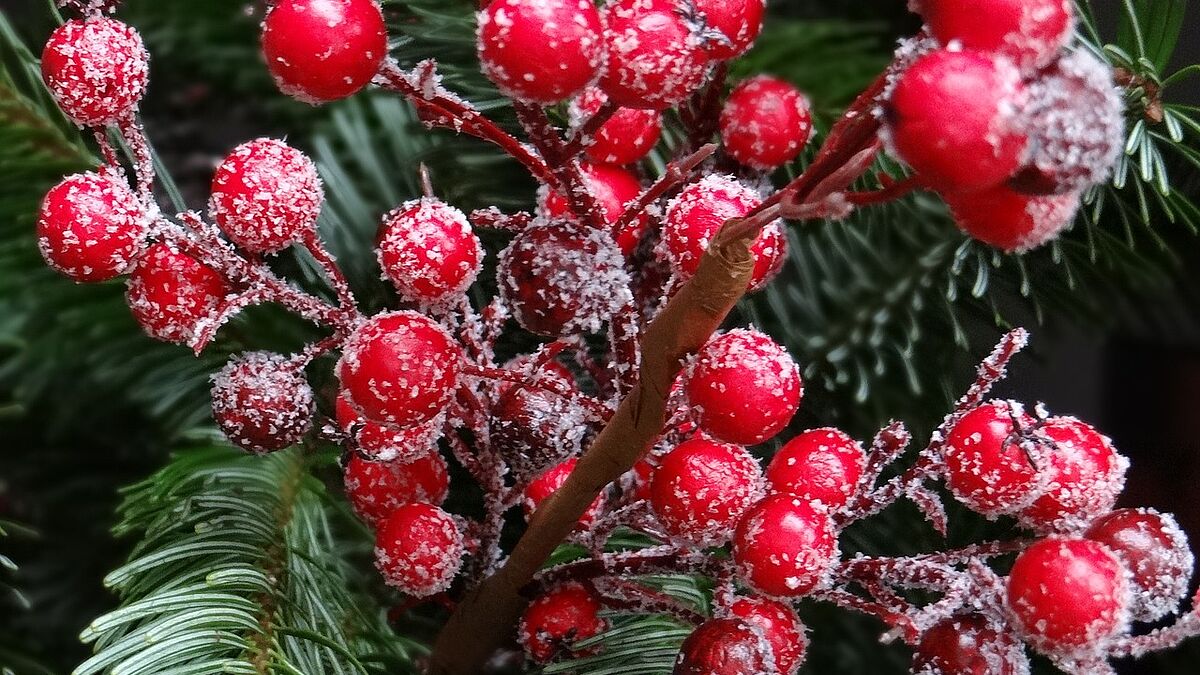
429	251
1155	550
739	21
548	482
562	278
96	70
1084	476
322	50
262	401
1011	221
784	546
765	122
702	487
1031	32
399	368
383	442
266	195
556	620
1068	595
723	647
743	387
698	212
968	644
541	52
613	188
533	428
822	465
953	117
988	467
90	227
418	549
778	624
627	136
376	489
655	55
171	294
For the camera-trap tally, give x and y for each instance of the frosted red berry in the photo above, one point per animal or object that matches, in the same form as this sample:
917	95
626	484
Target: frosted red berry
561	278
557	619
778	624
613	188
1068	595
953	117
266	195
784	546
968	644
743	387
262	401
96	70
765	122
627	136
1031	32
90	227
723	647
698	212
1155	551
419	549
533	428
399	368
1083	474
322	50
384	442
429	252
541	52
172	294
376	489
1011	221
549	482
739	21
824	465
988	467
655	55
702	487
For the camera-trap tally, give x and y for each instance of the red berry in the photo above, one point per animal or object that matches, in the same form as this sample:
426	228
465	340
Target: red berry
322	50
1068	595
779	625
429	251
655	55
399	368
533	428
987	466
561	278
376	489
723	647
765	122
968	644
1011	221
613	188
1155	550
740	21
383	442
1084	476
546	484
698	212
558	619
541	52
171	294
96	70
743	387
266	195
953	118
701	489
262	401
627	136
784	546
419	549
822	465
90	227
1030	32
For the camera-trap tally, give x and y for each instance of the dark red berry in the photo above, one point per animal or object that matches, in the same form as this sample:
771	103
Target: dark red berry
988	467
419	549
968	644
262	401
702	487
1155	551
556	620
1030	32
655	55
822	465
549	482
739	21
765	123
779	625
171	294
1012	221
322	50
96	70
723	647
613	188
266	195
533	428
429	251
1084	476
627	136
784	546
90	227
376	489
383	442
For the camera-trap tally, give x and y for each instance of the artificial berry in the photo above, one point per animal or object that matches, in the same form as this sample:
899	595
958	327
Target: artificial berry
266	195
723	647
765	122
376	489
1155	550
779	625
428	251
171	293
738	21
613	188
322	50
561	278
262	401
967	644
624	138
549	482
1031	32
988	466
557	619
698	212
399	368
1084	476
383	442
784	546
1068	595
96	70
533	428
822	465
702	487
952	117
90	226
541	52
419	549
655	55
1012	221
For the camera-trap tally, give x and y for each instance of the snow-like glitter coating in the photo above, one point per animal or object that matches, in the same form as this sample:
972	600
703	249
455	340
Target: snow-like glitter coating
429	251
1083	476
262	401
701	489
322	50
822	465
1011	221
1031	32
1155	550
627	136
96	70
376	489
765	122
785	546
266	195
655	55
90	227
558	618
419	549
724	647
779	626
171	294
